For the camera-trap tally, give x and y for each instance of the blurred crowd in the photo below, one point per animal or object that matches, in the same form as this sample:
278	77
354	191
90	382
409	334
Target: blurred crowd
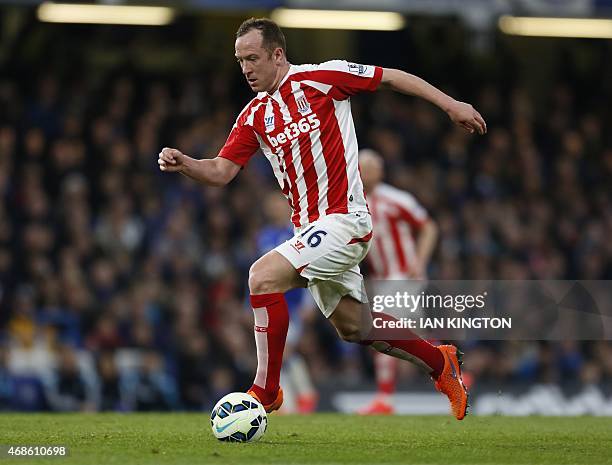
124	288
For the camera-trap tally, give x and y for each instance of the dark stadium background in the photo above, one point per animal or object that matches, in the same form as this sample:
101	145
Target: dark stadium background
123	288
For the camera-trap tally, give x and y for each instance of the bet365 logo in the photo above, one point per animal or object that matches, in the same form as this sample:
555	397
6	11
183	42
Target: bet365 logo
293	130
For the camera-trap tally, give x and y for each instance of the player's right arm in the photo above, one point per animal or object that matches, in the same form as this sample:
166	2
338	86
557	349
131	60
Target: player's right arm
240	146
215	172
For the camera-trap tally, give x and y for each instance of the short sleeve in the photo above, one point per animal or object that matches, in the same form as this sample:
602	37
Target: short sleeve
411	210
241	144
345	78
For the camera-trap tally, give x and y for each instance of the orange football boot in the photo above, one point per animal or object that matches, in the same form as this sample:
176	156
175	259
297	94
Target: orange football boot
450	382
275	405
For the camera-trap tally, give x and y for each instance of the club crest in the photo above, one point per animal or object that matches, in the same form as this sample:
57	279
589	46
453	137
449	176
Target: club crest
303	105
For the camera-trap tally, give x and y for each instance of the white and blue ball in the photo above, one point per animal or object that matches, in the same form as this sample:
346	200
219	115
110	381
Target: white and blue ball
238	417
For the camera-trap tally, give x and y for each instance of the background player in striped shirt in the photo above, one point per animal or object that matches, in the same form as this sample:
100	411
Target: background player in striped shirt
404	239
301	120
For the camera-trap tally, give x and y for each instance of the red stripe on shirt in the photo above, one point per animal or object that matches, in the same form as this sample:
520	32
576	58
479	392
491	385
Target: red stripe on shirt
397	243
408	217
306	157
289	166
241	144
344	83
334	153
378	248
400	213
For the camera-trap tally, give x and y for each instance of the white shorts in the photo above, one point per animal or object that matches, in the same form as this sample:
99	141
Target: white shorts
327	252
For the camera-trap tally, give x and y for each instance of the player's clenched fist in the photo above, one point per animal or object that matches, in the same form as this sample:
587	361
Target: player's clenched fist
170	160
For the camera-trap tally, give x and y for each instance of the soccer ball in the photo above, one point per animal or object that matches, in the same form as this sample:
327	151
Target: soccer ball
238	417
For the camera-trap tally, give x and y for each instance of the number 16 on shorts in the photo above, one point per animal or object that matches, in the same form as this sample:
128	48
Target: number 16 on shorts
312	239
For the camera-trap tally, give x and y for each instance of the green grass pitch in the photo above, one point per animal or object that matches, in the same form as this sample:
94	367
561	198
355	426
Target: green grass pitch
317	439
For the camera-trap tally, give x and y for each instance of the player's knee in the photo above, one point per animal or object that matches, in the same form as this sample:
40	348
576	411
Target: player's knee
261	280
350	332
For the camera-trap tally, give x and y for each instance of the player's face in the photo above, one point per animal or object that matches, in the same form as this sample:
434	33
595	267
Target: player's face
259	66
372	171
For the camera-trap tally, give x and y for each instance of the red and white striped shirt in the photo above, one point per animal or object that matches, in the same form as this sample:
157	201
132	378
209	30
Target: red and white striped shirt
396	217
306	130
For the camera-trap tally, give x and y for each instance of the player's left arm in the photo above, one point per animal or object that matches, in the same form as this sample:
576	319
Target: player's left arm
425	243
460	113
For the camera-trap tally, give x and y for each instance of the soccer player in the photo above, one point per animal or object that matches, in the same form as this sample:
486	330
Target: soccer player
301	120
403	241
